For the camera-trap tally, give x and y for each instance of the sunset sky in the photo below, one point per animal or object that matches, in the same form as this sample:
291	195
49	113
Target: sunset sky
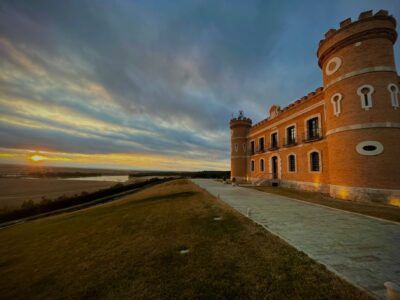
153	84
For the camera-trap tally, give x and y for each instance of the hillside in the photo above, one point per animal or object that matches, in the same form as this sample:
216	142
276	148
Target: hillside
131	248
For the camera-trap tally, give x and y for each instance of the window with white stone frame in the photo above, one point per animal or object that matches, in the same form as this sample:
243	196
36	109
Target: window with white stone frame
292	163
394	95
336	103
365	93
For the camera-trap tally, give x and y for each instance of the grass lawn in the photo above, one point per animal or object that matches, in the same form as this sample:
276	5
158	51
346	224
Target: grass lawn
129	249
387	212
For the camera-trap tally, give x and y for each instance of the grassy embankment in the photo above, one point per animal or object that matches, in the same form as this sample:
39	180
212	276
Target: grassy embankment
129	249
386	212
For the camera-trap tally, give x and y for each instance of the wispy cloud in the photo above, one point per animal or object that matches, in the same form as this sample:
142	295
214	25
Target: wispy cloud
154	79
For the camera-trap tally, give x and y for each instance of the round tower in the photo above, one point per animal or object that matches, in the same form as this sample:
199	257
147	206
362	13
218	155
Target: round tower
239	129
361	90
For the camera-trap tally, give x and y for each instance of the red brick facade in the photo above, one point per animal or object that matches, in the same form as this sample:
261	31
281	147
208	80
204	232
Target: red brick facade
346	135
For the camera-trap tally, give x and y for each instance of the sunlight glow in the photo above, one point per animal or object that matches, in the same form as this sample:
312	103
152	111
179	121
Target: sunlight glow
37	158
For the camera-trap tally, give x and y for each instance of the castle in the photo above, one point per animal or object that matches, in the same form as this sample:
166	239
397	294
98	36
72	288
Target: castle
342	139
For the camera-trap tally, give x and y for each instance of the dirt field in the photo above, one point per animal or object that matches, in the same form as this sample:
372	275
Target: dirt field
170	241
13	192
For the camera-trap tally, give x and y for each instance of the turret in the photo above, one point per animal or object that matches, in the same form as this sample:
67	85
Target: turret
361	92
239	130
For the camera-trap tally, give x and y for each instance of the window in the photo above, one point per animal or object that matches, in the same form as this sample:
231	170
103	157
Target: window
274	140
290	136
369	148
236	147
292	163
313	130
244	147
261	144
365	93
314	162
262	165
335	99
252	166
394	95
252	147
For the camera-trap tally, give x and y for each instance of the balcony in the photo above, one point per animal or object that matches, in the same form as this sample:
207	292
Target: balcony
273	146
313	135
290	142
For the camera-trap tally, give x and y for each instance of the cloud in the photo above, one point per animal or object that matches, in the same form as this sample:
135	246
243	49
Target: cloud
153	77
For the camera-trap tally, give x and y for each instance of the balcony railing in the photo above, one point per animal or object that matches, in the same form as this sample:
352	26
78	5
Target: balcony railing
313	135
273	146
289	142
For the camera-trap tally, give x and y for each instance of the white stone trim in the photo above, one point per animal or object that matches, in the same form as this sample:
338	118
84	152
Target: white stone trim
319	160
338	62
239	156
288	163
364	126
294	115
361	71
394	95
360	148
336	103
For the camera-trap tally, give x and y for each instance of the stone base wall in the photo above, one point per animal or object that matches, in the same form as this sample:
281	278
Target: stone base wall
359	194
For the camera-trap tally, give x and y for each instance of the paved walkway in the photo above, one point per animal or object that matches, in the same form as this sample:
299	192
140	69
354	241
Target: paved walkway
363	250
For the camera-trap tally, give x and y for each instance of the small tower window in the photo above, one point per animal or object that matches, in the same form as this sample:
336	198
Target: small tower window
292	163
336	99
315	162
236	147
394	95
365	93
252	166
262	165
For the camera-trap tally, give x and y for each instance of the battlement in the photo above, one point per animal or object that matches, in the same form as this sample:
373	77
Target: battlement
294	104
368	25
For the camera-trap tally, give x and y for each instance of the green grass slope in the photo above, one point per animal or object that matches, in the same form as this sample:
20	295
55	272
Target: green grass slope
129	249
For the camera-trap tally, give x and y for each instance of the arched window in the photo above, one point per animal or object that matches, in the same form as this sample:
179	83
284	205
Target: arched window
365	93
336	99
315	162
394	95
236	147
292	163
252	166
262	165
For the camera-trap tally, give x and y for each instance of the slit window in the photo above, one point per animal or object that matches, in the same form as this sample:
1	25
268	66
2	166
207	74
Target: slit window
394	95
252	166
365	93
252	147
314	162
336	99
262	165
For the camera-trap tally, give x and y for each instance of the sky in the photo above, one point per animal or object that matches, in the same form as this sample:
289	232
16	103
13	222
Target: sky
152	85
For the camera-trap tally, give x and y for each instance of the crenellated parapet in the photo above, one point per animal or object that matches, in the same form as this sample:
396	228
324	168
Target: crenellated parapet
368	26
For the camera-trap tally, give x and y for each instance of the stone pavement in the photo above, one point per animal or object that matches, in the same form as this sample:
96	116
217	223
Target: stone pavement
363	250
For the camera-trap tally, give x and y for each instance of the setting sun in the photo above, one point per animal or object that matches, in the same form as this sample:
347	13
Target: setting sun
37	158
